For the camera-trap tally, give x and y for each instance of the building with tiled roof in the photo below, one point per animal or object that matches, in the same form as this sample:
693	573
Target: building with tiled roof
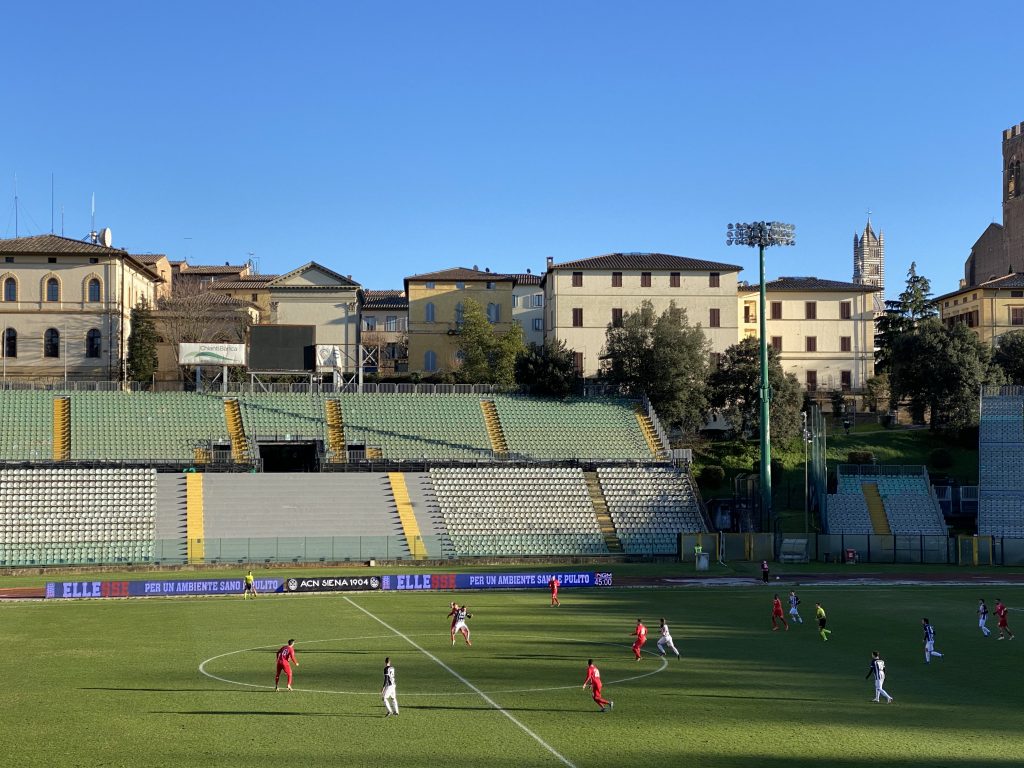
990	309
582	297
374	300
822	331
65	306
384	331
528	306
436	304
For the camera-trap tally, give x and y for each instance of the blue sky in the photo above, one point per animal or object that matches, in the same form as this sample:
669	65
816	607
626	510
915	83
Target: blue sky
386	139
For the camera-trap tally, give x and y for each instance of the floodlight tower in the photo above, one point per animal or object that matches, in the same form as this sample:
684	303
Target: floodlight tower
763	234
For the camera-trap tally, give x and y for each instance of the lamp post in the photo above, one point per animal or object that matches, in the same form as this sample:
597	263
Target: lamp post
763	234
805	437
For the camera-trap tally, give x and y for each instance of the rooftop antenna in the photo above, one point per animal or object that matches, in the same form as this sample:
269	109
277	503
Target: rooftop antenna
254	263
62	220
92	226
15	205
51	202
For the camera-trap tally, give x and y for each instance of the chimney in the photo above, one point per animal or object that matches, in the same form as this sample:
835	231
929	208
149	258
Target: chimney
551	262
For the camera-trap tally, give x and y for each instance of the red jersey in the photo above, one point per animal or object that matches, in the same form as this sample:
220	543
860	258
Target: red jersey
777	607
554	584
641	634
593	677
285	654
1001	613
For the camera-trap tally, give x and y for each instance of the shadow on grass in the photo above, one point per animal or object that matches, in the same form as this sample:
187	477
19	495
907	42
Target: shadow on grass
162	690
483	708
257	713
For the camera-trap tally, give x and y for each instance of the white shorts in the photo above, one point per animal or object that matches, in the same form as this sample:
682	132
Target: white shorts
929	646
793	611
665	639
389	692
459	626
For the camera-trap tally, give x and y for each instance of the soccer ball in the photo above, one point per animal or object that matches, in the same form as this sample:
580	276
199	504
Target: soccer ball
776	578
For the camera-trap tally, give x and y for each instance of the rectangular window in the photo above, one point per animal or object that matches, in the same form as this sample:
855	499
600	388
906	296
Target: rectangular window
460	286
8	259
845	344
715	321
490	286
748	314
577	362
538	323
777	343
52	260
845	310
776	310
616	279
714	280
810	310
1016	315
673	280
811	380
94	260
391	323
369	323
1014	295
645	279
616	317
515	301
845	380
577	279
254	297
577	317
538	300
430	285
811	344
715	361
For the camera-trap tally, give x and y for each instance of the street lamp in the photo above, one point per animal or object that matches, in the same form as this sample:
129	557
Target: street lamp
763	234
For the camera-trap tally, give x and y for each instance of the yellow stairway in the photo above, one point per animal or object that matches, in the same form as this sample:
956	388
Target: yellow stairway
236	431
336	432
195	526
647	427
61	428
201	456
604	518
876	508
494	430
405	514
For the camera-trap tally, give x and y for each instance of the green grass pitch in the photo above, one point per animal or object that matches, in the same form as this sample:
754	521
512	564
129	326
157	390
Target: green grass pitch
118	683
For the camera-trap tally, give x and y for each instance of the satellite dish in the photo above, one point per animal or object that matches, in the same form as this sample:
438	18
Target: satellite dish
105	237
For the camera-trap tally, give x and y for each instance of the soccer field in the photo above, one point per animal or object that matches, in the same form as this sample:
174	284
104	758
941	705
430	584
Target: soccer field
189	681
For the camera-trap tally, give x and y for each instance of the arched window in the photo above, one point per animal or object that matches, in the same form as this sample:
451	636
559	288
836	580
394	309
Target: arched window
10	289
93	290
92	343
53	289
51	343
460	313
10	343
430	361
429	312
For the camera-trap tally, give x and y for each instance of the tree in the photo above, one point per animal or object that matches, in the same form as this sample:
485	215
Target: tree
877	395
912	307
1010	356
547	370
485	357
142	357
735	390
939	371
664	357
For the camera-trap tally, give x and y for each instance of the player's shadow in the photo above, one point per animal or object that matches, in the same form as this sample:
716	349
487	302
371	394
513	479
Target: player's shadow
572	656
256	713
162	690
729	696
481	708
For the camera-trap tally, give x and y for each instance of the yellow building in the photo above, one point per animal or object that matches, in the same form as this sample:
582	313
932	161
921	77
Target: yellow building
436	304
990	309
822	330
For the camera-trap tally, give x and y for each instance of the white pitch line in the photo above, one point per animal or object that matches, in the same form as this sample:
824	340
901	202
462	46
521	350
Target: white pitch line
465	682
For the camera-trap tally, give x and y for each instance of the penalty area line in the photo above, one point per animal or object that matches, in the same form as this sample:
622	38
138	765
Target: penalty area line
465	682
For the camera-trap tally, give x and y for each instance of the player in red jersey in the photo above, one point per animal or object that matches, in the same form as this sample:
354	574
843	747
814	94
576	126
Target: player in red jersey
594	681
641	637
1001	612
777	614
553	584
285	657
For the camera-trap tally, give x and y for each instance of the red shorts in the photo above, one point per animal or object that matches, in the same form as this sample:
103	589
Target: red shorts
1002	622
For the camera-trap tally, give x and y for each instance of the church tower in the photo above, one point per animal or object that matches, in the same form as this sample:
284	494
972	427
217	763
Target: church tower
1013	199
869	257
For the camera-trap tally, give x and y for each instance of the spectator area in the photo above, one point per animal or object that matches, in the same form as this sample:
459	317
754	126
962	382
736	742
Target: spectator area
1001	463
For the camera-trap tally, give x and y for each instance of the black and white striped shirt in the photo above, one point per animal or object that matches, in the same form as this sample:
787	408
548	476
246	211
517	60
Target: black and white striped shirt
389	675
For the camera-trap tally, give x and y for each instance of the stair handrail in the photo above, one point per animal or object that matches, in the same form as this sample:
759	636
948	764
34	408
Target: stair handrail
665	445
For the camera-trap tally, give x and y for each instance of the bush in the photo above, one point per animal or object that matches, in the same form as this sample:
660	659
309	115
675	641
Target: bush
860	457
711	476
777	467
940	458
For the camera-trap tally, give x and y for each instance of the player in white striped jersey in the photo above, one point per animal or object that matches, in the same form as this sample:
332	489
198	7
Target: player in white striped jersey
877	670
794	612
983	617
666	640
387	692
929	642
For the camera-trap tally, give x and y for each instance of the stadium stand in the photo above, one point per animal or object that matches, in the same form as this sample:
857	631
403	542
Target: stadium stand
504	511
1001	463
848	513
76	516
26	419
650	507
908	504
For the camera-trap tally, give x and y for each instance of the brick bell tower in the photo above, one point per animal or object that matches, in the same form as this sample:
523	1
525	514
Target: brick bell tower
1013	196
